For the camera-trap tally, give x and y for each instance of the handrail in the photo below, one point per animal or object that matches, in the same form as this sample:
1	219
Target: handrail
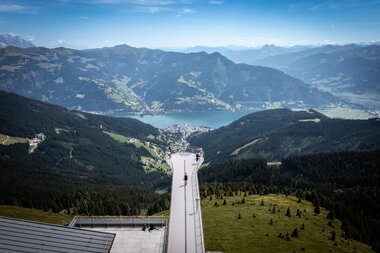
198	205
94	221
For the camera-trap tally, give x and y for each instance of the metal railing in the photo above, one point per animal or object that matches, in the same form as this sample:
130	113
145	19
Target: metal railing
199	239
118	221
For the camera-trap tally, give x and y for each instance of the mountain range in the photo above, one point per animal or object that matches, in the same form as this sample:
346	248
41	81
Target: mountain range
144	80
275	134
245	54
14	40
351	72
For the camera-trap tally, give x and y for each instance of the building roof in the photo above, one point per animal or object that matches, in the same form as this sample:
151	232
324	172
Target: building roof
27	236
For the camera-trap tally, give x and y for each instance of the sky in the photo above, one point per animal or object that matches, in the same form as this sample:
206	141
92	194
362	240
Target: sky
186	23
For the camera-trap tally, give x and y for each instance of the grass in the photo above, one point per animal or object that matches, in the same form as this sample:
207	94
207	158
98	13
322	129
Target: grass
117	137
34	215
8	140
139	144
224	232
347	113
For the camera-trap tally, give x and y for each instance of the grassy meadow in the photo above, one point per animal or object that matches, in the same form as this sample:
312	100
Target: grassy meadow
260	229
34	215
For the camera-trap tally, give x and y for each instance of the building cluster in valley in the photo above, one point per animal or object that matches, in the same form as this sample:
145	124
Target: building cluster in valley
185	131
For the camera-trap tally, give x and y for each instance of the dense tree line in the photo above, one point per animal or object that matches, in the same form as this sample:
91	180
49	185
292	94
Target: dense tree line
111	200
281	132
345	183
220	143
76	157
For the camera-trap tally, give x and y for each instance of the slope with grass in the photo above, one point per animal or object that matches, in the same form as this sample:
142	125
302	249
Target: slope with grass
75	153
274	134
34	215
253	227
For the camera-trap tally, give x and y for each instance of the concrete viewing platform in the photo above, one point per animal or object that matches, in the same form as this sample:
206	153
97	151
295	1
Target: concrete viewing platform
185	224
129	237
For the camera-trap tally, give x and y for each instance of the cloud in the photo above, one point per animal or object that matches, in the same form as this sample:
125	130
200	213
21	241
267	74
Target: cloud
295	7
341	4
328	42
187	11
16	8
158	9
84	18
31	38
216	2
135	2
61	41
148	9
325	6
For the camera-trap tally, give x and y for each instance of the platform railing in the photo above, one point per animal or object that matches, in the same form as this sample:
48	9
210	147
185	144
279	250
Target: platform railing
118	221
199	239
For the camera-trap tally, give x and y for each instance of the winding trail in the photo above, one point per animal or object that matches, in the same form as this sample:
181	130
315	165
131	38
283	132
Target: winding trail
6	140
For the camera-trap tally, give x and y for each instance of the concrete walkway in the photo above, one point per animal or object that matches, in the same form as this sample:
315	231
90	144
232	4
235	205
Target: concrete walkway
185	225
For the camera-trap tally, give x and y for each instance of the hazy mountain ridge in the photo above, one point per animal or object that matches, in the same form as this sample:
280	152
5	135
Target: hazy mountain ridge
350	72
274	134
140	79
14	40
247	55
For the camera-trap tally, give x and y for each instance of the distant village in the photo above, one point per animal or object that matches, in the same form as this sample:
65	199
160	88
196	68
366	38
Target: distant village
185	131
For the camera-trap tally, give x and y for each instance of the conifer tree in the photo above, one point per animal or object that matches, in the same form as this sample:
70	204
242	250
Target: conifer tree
288	212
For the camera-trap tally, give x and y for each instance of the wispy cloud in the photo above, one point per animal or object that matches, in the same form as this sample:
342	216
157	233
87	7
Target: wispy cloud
216	2
325	6
31	38
295	7
136	2
158	9
16	8
187	11
341	4
148	9
149	6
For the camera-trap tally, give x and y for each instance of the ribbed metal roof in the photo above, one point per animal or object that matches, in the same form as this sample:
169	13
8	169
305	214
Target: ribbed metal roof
27	236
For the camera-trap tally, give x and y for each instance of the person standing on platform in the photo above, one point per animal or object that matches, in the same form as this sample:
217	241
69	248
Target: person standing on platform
185	178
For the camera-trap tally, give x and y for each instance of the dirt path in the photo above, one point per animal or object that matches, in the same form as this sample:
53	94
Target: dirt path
6	140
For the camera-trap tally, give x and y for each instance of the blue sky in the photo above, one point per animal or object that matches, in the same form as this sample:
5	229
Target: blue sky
185	23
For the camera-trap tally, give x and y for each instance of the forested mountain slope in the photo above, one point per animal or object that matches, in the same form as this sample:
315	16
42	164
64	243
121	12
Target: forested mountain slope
274	134
72	149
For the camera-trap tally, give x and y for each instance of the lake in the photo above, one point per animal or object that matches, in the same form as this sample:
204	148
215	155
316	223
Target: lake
214	119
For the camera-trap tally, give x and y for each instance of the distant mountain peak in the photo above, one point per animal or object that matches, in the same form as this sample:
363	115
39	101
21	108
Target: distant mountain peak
14	40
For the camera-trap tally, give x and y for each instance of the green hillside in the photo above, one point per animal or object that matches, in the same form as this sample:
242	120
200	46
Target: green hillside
345	183
34	215
260	229
72	150
274	134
